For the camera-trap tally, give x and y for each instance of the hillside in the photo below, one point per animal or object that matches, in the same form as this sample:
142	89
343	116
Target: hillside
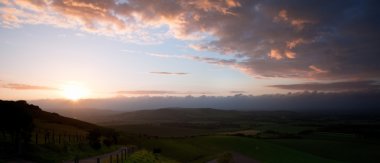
195	115
8	108
33	134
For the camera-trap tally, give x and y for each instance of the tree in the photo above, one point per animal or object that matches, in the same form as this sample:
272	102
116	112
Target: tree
16	120
94	138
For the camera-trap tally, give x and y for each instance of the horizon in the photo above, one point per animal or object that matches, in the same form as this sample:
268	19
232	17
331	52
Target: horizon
339	102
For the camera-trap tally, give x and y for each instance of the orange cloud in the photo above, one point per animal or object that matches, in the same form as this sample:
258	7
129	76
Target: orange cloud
233	3
297	23
317	70
283	15
275	54
290	54
248	31
27	87
293	43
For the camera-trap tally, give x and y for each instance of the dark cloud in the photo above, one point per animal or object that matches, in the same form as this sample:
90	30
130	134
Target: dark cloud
169	73
289	39
18	86
335	86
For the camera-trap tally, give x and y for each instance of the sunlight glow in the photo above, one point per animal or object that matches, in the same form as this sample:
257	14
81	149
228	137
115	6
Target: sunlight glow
74	91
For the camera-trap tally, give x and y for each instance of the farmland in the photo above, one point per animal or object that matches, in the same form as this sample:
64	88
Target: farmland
270	137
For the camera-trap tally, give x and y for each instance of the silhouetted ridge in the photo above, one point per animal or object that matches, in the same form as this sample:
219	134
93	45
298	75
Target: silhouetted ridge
17	111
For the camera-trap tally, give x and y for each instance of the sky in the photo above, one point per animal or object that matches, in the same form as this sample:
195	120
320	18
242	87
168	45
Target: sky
53	49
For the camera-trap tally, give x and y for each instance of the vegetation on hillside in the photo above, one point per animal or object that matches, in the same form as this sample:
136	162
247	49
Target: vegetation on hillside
33	134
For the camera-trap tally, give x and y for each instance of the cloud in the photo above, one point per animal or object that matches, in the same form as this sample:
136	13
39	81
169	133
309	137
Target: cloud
238	92
216	61
275	54
334	86
290	54
317	70
146	92
159	92
169	73
27	87
287	39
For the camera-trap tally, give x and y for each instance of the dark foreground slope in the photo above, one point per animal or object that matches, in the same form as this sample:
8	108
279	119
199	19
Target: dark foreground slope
27	132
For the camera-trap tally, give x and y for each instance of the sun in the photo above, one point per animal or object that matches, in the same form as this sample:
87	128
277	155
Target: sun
74	91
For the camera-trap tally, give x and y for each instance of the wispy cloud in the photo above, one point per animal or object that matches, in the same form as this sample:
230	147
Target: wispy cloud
18	86
210	60
169	73
335	86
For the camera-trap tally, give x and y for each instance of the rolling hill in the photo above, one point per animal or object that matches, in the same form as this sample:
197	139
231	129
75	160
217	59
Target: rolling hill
27	132
194	115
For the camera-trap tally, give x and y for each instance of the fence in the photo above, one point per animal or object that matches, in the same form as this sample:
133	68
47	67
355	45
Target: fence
118	156
49	136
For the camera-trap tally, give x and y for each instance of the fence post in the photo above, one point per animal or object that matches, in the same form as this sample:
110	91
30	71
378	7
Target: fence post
53	137
97	160
45	138
76	159
36	137
110	158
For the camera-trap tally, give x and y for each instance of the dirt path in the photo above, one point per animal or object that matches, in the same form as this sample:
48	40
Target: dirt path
238	158
105	157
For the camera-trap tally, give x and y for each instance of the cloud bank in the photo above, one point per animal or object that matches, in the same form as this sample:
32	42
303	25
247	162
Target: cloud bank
357	101
159	92
288	39
335	86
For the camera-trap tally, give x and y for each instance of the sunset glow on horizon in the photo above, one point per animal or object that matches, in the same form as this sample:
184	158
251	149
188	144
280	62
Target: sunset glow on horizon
179	48
75	91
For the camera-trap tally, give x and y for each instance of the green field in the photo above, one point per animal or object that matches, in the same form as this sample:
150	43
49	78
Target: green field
264	138
345	151
200	149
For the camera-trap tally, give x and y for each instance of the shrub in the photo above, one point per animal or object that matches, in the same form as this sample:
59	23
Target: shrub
225	158
142	156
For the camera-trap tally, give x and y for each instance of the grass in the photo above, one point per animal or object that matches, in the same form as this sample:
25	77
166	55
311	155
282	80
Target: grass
58	128
56	153
288	128
338	150
201	149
